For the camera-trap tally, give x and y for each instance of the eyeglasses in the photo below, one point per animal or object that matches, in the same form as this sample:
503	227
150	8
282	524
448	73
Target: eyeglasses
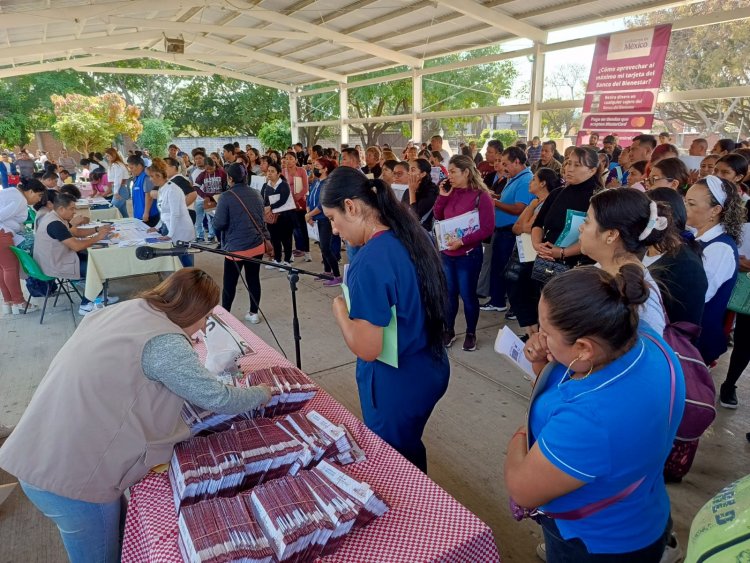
653	179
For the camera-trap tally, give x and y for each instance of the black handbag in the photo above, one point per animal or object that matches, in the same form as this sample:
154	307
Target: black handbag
513	267
544	270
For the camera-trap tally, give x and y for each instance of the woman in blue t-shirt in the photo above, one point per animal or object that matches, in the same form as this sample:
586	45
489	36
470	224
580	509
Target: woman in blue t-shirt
396	269
604	412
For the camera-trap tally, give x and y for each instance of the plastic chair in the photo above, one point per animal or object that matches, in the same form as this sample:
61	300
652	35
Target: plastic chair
33	270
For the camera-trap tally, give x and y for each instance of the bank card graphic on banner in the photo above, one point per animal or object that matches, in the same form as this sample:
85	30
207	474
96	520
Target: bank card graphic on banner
624	82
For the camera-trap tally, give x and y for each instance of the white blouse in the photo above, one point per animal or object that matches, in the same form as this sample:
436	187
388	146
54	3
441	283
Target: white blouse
13	212
718	260
174	213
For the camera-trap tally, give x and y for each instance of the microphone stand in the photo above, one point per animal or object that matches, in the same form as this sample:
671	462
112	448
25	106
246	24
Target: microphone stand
292	275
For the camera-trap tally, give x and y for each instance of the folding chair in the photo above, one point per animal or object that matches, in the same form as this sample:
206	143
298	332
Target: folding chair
33	270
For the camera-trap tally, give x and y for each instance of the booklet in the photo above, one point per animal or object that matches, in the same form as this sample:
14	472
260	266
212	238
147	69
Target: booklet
509	345
399	190
570	233
257	181
389	355
448	231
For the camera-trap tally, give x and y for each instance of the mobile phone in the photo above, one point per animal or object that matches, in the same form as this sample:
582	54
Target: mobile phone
446	186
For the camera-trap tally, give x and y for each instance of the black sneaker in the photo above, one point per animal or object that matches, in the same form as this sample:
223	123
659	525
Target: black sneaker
728	396
449	337
510	315
470	342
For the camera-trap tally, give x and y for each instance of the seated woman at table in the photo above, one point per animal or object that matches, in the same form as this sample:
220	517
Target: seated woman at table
60	248
598	481
174	219
397	271
95	427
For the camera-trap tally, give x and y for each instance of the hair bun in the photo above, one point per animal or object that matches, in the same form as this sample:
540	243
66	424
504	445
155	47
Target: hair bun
631	285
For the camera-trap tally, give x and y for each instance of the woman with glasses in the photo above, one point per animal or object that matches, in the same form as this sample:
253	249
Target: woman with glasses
668	173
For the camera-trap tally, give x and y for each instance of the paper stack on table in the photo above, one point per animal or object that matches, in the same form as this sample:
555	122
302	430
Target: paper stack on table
255	451
291	390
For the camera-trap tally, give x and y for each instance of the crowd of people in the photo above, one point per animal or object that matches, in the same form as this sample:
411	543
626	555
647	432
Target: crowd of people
595	252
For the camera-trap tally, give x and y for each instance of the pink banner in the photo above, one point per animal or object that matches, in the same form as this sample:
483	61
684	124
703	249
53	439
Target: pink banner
624	82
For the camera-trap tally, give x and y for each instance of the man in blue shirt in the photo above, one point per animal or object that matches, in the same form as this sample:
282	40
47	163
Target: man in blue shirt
144	206
508	206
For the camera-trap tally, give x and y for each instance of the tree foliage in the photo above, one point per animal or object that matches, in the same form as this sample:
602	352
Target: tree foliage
156	135
713	56
25	104
507	136
86	123
276	134
568	82
471	87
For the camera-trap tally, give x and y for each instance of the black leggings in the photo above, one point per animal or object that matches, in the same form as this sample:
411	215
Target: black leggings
741	351
232	274
301	238
281	236
330	264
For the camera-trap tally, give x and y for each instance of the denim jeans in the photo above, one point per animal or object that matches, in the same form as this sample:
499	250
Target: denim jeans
91	532
462	276
574	550
199	214
122	205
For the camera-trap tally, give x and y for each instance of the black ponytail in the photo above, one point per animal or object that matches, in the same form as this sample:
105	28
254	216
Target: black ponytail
347	183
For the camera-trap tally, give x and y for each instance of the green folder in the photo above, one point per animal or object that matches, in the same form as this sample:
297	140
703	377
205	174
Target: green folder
389	355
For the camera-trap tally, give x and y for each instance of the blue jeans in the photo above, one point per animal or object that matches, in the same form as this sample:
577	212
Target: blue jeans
462	276
503	241
574	550
199	214
91	532
122	205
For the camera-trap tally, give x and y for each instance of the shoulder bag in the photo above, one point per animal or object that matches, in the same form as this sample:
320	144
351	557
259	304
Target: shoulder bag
267	247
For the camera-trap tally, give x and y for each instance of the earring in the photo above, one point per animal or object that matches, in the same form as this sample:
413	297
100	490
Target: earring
570	365
609	241
591	367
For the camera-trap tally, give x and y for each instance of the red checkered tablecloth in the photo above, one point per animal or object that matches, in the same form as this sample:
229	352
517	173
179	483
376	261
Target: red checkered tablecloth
424	522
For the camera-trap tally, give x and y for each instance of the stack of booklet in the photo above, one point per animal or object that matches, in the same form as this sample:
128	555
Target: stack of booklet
256	451
291	391
294	518
222	529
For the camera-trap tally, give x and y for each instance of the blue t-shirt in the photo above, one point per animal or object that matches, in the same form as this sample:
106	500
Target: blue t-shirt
381	275
609	430
515	191
313	199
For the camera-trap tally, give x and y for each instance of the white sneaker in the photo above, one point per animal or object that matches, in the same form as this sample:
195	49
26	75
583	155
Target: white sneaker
285	264
672	553
112	299
83	310
308	258
19	309
252	318
541	551
268	267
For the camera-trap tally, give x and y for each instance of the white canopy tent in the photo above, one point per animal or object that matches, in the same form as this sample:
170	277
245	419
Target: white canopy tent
289	45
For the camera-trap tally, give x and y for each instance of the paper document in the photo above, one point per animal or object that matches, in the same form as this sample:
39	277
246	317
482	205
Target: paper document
256	182
313	232
297	185
399	190
570	233
389	354
450	230
273	199
692	162
508	344
5	491
526	250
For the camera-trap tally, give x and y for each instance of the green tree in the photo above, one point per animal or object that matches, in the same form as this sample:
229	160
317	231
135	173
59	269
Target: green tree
86	123
476	86
25	104
276	135
156	135
319	107
712	56
507	136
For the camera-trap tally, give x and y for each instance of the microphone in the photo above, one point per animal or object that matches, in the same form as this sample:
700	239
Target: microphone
150	252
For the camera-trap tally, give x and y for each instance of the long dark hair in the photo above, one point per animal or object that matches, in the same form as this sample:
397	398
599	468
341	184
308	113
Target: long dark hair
678	221
628	211
426	184
347	183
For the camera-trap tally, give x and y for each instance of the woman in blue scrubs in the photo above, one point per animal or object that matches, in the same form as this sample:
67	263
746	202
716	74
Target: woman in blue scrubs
397	267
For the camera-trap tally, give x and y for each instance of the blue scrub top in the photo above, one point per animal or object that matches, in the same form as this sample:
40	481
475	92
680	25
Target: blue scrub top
141	184
609	430
381	275
515	191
